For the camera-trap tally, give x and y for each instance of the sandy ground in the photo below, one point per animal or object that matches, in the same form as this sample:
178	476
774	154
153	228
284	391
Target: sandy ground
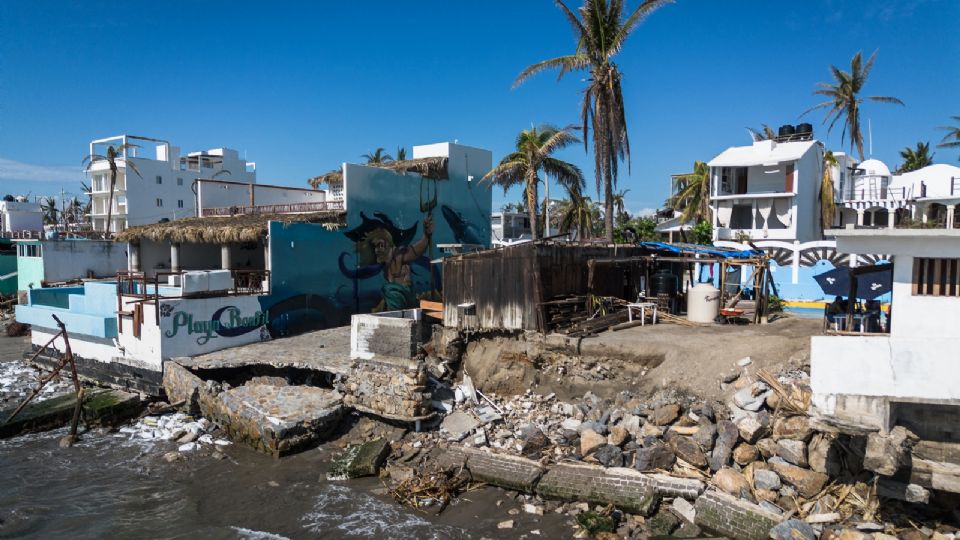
643	360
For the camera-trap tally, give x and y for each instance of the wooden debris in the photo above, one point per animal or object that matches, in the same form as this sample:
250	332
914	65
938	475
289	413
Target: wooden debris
433	489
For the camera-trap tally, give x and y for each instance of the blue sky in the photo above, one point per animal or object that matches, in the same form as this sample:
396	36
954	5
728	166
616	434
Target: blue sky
300	87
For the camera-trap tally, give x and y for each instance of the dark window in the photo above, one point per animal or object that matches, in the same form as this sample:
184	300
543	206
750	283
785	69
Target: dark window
159	179
936	277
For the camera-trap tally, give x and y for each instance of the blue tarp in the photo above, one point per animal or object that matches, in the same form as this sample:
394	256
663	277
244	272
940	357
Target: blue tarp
723	253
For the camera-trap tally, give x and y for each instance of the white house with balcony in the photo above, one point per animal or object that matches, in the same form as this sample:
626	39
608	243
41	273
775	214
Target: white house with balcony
767	190
164	187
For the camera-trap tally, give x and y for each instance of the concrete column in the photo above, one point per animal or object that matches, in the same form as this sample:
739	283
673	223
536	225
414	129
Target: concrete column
860	217
225	262
951	210
923	214
891	218
134	257
174	257
795	266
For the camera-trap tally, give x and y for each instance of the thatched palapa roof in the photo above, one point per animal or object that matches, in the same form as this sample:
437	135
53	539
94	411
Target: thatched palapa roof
431	167
221	230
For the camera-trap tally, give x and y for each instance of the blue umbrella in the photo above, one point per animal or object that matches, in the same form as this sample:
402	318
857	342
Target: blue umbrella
872	281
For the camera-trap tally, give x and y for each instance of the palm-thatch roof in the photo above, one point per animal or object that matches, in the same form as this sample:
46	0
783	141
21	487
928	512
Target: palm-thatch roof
430	167
221	230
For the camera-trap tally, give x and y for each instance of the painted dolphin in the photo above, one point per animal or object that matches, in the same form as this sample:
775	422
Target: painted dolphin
463	231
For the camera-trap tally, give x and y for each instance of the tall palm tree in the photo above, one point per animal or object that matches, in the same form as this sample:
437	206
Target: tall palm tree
915	159
110	157
401	153
378	157
845	100
534	147
693	201
619	205
600	31
828	206
952	138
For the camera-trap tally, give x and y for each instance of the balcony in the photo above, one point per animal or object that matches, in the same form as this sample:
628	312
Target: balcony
293	208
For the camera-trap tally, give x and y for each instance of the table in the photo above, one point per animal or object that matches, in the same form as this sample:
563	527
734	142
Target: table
839	321
642	306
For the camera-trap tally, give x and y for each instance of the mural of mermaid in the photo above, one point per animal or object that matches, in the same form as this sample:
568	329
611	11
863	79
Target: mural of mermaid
386	250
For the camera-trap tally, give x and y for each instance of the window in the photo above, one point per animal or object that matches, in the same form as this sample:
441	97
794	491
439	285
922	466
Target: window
159	179
159	202
179	181
29	250
180	203
936	277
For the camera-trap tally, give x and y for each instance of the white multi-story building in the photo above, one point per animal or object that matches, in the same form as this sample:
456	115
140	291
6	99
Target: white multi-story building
164	187
509	227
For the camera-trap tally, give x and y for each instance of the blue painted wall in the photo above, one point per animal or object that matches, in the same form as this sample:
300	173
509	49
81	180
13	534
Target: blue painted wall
380	260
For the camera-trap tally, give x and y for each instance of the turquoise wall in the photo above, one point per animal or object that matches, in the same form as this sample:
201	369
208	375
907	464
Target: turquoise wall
8	273
29	271
88	310
380	260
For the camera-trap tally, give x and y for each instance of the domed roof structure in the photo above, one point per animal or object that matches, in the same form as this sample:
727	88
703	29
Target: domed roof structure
874	167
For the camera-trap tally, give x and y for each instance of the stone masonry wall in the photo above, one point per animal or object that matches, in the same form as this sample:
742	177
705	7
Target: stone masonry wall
509	472
733	517
390	390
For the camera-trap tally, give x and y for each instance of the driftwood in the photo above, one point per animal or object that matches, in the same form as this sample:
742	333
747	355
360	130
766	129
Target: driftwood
437	488
793	399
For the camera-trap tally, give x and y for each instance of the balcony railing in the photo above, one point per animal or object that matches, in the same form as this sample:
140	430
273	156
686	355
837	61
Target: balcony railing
875	194
293	208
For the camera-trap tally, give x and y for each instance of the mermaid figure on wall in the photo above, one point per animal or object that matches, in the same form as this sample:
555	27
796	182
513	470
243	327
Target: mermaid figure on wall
385	249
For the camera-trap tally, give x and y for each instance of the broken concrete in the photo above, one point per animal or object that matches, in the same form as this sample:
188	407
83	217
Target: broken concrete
274	420
101	407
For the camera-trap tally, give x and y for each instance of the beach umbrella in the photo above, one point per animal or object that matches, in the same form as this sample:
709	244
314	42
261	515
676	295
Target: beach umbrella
872	282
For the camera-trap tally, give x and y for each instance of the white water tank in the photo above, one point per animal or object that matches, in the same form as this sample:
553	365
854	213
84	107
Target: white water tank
703	303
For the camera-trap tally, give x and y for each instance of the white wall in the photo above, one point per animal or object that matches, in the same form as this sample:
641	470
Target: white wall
462	161
17	217
807	204
225	194
64	260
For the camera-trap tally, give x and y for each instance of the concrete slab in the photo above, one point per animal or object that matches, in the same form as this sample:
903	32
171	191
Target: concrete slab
101	407
323	350
276	420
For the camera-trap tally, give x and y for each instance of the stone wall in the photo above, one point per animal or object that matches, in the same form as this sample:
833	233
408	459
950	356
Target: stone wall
394	391
733	517
511	472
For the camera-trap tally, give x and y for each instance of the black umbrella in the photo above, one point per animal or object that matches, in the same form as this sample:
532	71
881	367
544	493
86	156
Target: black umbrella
872	281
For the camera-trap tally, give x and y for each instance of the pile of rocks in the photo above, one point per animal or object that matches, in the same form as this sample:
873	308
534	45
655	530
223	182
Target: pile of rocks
753	448
17	381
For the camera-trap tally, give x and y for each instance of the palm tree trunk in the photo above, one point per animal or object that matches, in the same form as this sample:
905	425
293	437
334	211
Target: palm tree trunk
532	206
113	183
608	206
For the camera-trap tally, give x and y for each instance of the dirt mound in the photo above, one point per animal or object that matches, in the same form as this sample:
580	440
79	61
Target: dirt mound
17	329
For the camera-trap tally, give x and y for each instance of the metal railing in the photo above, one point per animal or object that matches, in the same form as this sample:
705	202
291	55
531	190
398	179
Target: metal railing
147	290
876	194
291	208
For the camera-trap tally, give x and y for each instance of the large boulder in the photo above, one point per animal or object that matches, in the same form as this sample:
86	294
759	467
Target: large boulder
727	436
688	450
667	414
792	427
609	455
793	451
808	483
706	433
656	455
764	479
823	455
590	440
751	429
744	454
732	482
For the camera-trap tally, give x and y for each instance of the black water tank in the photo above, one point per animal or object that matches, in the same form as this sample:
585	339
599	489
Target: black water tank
805	129
664	282
786	131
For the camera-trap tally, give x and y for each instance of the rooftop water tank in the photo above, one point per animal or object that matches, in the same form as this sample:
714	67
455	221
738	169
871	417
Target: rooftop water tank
805	129
786	131
703	303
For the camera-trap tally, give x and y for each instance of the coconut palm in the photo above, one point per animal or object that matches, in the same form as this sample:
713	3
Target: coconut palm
401	153
952	138
828	207
915	159
845	100
619	205
534	147
110	157
693	201
378	157
765	133
600	31
51	214
578	213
